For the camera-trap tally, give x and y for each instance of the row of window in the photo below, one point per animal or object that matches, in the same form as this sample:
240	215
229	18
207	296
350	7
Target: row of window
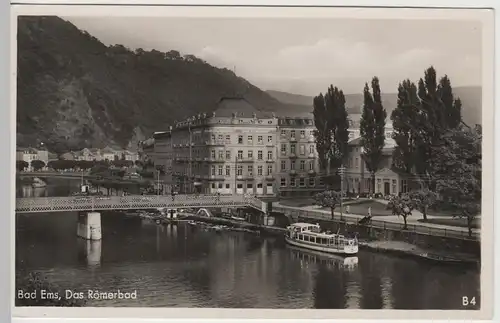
302	133
302	165
226	171
293	149
311	182
249	186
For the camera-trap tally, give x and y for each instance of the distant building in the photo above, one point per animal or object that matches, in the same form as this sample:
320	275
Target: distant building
297	162
30	154
387	179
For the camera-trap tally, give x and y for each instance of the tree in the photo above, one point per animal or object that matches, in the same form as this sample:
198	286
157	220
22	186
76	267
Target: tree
330	117
37	164
322	133
422	200
405	125
460	171
452	107
329	199
21	165
372	128
420	122
401	206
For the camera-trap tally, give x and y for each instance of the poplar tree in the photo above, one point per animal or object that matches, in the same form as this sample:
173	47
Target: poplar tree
372	128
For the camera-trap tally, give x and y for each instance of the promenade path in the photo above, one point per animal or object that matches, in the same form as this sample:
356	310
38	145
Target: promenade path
388	222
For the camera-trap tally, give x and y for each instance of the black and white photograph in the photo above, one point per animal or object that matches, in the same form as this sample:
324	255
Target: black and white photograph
252	162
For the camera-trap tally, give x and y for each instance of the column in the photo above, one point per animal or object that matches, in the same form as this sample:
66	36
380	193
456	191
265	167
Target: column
89	226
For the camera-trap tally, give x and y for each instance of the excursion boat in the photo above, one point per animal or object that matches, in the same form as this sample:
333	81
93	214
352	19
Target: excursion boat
309	236
38	183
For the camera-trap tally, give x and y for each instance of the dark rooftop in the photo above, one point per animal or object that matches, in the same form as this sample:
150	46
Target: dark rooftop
227	106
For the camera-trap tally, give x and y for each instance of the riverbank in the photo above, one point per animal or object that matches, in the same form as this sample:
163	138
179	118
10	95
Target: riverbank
404	249
398	248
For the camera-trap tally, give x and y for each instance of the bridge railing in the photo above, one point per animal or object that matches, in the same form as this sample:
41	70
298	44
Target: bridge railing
84	203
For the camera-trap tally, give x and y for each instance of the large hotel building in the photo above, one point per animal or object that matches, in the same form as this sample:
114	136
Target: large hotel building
239	149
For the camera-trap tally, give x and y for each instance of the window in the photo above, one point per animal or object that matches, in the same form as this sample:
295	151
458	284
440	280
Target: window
240	154
311	149
302	165
292	148
228	139
302	149
269	139
219	170
219	137
321	181
404	186
259	140
250	154
250	140
269	170
283	149
302	133
228	154
292	134
283	182
259	155
250	170
311	165
393	186
356	163
302	182
213	137
228	170
283	165
212	154
239	170
292	164
221	154
240	139
249	186
220	185
228	186
259	170
292	182
213	185
213	170
269	155
283	132
311	182
379	185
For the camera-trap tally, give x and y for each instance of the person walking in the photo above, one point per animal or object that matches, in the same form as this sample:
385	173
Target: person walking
370	211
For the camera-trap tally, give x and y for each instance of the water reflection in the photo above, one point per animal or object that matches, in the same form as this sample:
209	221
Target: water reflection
29	191
90	252
178	266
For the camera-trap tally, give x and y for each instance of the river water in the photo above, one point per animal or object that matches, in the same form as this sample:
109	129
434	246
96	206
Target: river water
180	266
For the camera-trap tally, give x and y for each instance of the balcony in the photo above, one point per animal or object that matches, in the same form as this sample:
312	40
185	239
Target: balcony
269	160
292	156
215	142
293	172
215	177
311	139
293	139
270	178
311	172
269	144
311	156
244	160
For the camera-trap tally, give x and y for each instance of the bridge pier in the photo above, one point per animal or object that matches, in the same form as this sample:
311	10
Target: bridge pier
89	225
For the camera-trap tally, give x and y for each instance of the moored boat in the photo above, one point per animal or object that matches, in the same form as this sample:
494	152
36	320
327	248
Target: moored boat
37	183
309	236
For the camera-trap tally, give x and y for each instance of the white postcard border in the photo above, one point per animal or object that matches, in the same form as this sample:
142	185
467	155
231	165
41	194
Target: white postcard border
488	119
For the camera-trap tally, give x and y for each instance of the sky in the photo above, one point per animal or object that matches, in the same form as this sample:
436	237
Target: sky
303	55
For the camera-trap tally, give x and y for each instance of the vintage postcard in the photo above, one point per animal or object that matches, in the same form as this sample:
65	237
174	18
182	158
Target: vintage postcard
252	162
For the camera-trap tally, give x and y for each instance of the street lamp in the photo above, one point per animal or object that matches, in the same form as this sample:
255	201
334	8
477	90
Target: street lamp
341	173
158	184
